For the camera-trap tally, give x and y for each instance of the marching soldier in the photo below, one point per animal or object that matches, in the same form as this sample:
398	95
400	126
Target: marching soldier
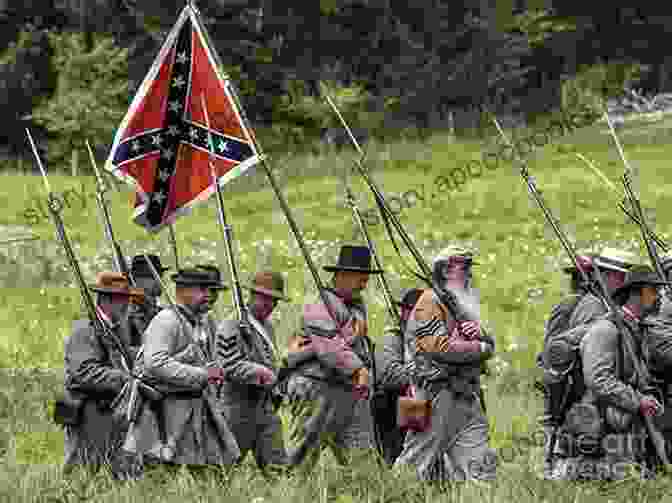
248	356
328	389
449	358
185	428
658	352
394	378
568	322
139	315
94	377
604	433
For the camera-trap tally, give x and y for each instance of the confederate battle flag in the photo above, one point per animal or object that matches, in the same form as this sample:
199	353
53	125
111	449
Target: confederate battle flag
161	146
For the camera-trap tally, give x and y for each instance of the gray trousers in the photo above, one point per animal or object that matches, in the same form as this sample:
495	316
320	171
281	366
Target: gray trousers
326	416
458	436
258	429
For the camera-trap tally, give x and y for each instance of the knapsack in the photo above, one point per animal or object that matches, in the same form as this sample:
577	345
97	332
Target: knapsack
562	381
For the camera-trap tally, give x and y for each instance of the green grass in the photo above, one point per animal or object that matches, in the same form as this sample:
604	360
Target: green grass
519	274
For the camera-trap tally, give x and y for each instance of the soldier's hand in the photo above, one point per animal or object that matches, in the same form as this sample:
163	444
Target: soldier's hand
649	406
216	375
470	329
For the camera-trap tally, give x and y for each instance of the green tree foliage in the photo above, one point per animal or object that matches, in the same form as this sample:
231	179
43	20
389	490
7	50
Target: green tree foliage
91	97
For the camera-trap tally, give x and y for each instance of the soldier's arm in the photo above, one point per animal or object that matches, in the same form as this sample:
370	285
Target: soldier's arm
393	372
88	369
160	338
430	330
237	367
599	354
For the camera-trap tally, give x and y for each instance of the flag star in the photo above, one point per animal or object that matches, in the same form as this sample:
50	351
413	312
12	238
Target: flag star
179	82
182	57
223	146
135	146
159	197
156	140
194	133
174	106
164	174
167	154
173	131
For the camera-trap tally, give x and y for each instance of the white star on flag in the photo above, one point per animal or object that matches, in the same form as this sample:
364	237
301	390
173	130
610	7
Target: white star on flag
174	106
223	146
159	197
173	131
178	82
156	140
164	175
167	154
194	133
182	57
135	146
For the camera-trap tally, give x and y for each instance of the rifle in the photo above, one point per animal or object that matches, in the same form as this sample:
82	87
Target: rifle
350	198
602	293
118	259
246	323
635	204
99	326
659	242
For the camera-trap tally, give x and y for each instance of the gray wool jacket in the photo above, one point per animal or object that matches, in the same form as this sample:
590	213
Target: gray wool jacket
93	375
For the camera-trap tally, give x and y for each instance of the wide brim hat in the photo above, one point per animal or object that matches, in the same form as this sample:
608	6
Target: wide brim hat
139	265
197	277
638	276
455	251
115	283
616	259
268	283
354	259
213	270
409	297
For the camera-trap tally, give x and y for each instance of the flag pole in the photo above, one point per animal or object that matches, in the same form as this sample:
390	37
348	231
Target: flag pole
227	230
271	178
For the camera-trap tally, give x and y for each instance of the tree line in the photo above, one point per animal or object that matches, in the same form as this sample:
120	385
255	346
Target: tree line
425	64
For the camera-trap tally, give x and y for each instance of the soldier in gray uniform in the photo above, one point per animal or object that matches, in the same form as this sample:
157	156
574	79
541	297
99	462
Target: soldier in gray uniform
658	354
139	315
94	377
248	356
449	362
328	389
604	434
574	316
186	427
394	378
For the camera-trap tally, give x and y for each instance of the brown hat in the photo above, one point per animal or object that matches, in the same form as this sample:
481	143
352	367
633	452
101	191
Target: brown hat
115	282
269	283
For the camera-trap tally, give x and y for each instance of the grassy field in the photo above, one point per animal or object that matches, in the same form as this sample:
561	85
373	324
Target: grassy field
519	274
